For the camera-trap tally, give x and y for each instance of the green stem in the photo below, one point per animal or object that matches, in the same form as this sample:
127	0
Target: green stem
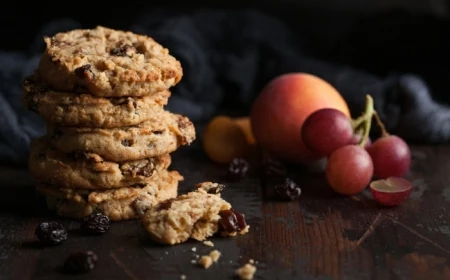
368	114
357	123
384	132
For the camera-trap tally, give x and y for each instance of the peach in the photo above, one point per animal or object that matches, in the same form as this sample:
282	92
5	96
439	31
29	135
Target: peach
278	113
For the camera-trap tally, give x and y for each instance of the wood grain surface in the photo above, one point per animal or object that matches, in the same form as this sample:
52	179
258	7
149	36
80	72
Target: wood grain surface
320	236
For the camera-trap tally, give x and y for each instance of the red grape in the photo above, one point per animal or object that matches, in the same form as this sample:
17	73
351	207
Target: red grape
391	157
349	170
326	130
392	191
357	138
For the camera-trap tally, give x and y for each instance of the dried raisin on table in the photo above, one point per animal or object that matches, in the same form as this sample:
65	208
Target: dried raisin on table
287	189
237	168
51	233
80	262
95	223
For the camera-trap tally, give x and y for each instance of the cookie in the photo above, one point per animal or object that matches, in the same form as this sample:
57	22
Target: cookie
118	204
160	136
197	215
88	170
85	110
107	63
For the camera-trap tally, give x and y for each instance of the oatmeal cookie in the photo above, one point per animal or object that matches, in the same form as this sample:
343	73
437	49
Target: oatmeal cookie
85	110
107	63
88	170
148	139
118	204
197	215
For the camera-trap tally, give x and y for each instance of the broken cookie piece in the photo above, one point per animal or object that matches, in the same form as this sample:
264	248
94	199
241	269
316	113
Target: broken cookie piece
197	215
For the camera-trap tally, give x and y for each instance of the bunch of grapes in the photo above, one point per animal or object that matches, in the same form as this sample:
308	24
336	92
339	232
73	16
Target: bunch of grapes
353	160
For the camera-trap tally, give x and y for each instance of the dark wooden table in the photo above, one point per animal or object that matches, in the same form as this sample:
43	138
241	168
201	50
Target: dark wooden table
321	236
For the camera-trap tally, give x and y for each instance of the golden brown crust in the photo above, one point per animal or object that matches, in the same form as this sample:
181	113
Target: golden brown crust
159	136
85	110
108	63
118	204
90	171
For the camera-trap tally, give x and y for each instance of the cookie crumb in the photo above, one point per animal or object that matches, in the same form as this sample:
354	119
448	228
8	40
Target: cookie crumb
246	272
251	261
194	249
207	260
208	243
197	256
183	277
167	253
193	261
215	255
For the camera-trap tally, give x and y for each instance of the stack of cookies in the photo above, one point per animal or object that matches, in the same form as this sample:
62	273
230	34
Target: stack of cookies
109	139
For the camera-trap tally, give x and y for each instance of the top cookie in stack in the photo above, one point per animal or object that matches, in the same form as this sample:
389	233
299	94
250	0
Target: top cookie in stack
102	93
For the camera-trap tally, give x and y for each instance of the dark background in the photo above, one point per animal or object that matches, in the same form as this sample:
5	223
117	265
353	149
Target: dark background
380	36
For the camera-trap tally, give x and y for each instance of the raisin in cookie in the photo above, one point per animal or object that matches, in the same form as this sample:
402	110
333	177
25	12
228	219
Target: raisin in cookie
107	63
88	170
85	110
197	215
161	136
118	204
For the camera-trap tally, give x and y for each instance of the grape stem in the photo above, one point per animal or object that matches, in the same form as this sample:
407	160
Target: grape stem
364	122
384	132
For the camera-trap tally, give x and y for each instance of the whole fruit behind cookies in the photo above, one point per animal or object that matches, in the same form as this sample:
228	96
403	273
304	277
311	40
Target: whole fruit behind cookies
278	113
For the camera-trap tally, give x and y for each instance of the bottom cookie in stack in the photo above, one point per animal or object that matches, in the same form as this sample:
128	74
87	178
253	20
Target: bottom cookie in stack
118	204
77	184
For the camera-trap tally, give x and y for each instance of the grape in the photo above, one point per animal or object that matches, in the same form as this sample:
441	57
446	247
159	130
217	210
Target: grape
357	138
349	170
327	130
391	157
392	191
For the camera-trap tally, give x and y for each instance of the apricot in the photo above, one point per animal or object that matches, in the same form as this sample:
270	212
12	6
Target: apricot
224	140
245	125
278	113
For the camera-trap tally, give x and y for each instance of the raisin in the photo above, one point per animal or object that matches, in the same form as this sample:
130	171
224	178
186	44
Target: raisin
217	189
182	123
85	72
51	233
166	204
122	51
237	168
288	190
147	170
126	142
141	205
80	262
95	223
231	221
